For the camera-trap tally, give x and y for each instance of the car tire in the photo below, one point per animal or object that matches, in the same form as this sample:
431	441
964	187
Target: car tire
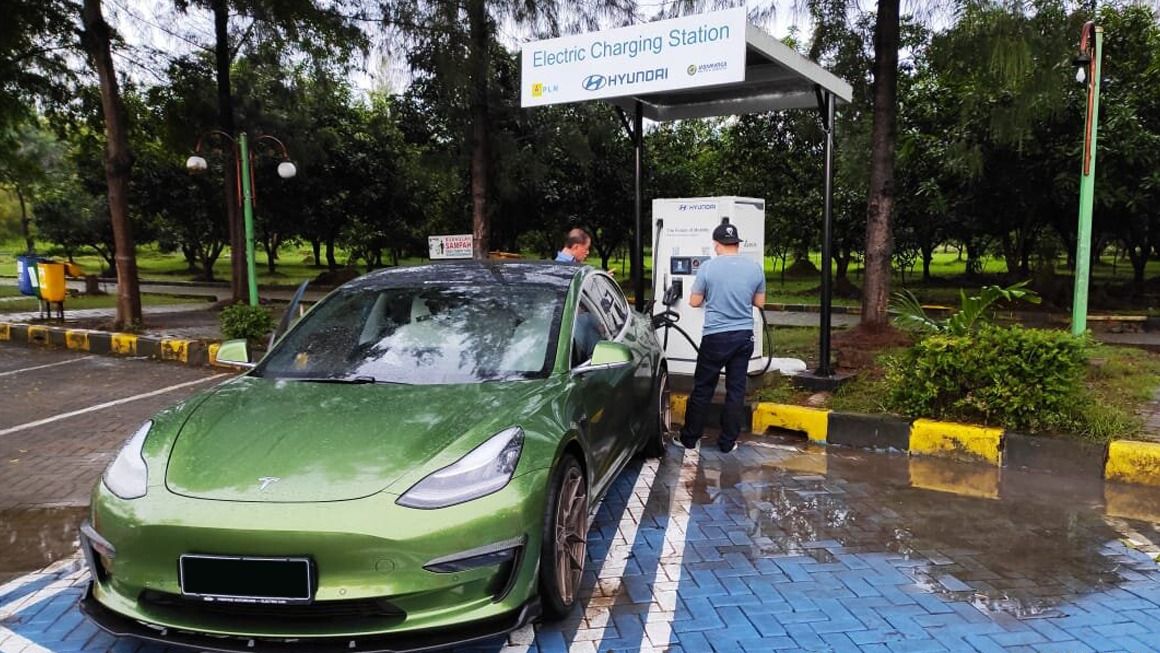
564	547
662	421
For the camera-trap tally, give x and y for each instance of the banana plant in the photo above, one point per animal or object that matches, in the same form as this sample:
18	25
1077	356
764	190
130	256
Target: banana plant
910	315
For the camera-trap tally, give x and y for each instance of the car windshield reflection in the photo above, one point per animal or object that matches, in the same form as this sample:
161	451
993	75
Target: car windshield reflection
423	335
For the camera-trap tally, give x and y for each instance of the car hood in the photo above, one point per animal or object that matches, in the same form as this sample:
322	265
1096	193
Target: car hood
290	441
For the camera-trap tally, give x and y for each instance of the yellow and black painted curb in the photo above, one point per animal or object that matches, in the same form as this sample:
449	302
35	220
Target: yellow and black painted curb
1125	461
176	350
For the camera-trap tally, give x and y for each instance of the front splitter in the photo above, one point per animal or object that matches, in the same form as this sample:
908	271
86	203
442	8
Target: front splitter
407	642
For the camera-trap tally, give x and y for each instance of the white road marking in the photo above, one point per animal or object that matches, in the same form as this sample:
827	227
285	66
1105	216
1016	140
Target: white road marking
596	612
658	624
41	367
67	570
107	404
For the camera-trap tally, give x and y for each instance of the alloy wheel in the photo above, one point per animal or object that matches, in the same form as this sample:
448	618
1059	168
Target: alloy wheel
571	534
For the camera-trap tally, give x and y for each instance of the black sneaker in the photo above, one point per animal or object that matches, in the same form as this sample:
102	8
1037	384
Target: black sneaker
725	446
688	442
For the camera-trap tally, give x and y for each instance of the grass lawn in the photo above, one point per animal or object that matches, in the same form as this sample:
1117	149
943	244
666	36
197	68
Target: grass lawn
293	268
1120	382
78	303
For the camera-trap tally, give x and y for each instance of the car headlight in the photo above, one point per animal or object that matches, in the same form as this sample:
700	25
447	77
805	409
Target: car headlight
128	476
485	470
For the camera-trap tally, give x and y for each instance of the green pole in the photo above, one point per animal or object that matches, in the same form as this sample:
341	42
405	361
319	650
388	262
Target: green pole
1087	187
248	212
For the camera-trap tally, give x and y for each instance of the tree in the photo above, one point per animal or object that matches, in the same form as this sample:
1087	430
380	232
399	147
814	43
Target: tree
35	39
26	167
461	34
323	32
118	162
880	206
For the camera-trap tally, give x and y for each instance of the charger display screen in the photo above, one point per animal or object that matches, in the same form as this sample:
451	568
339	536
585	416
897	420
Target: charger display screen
686	265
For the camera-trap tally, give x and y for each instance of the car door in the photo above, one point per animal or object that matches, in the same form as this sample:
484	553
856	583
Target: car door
613	302
627	402
595	390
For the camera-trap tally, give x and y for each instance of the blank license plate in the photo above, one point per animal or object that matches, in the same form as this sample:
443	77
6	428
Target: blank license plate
249	580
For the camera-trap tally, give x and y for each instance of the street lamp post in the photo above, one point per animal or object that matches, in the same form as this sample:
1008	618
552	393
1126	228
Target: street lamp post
1088	71
245	173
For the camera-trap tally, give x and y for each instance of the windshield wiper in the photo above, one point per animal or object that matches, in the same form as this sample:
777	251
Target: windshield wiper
347	380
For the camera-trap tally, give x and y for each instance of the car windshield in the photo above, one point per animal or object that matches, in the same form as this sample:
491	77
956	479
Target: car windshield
423	335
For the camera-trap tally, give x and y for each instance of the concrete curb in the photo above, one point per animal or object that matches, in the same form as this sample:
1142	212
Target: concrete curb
183	351
1127	461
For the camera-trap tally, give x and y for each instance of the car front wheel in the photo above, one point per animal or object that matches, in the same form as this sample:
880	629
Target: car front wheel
654	446
565	543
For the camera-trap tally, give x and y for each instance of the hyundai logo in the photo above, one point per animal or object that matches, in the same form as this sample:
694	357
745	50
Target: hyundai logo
594	82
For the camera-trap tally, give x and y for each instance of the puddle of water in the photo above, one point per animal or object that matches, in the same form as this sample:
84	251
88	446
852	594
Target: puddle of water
32	538
1006	541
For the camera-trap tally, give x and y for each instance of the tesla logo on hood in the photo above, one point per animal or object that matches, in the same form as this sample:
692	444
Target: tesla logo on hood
267	481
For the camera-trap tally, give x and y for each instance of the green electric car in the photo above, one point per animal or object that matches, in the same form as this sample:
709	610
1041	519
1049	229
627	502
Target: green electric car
411	466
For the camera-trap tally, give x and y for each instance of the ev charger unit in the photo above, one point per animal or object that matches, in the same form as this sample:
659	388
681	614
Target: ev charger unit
682	241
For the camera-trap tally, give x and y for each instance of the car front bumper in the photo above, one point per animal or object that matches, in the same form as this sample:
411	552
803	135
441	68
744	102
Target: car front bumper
374	590
421	640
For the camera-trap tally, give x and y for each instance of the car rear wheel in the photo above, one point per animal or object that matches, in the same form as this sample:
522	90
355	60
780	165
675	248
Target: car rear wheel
654	447
565	543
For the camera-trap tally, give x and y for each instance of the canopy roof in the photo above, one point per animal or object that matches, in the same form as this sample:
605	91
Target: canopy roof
776	78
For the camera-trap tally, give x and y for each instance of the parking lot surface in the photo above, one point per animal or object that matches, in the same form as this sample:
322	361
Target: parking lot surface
778	546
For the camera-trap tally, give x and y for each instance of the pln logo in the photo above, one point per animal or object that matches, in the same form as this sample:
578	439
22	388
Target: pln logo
594	82
540	89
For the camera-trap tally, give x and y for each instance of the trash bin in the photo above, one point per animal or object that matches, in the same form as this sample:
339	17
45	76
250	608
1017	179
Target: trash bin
52	288
26	275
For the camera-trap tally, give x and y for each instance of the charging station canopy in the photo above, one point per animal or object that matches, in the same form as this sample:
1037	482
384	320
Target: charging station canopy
712	64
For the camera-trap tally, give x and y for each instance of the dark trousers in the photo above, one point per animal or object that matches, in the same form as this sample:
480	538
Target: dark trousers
730	350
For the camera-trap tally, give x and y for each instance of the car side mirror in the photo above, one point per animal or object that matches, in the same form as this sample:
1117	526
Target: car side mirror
607	355
235	353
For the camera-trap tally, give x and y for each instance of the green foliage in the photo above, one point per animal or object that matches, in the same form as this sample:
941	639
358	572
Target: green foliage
244	321
972	311
1023	379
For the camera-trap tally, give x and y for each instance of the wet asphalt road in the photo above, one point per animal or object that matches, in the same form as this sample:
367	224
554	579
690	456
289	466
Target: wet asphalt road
778	546
59	427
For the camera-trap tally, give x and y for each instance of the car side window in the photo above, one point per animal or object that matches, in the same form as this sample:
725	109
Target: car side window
589	330
612	303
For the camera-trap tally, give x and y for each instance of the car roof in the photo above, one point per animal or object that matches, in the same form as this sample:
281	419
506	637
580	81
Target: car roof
539	273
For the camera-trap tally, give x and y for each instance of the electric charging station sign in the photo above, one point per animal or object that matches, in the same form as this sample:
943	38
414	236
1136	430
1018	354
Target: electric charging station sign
666	55
445	247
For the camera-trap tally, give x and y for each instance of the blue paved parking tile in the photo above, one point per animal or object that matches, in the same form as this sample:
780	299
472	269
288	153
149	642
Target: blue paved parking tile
840	643
1140	643
874	636
767	624
1070	646
916	646
1093	639
983	644
805	636
694	643
1130	628
1023	637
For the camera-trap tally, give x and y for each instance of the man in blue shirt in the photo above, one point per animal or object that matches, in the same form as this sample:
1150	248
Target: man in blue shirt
576	247
728	286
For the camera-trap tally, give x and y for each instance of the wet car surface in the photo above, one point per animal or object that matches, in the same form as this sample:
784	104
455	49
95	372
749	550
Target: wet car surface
786	546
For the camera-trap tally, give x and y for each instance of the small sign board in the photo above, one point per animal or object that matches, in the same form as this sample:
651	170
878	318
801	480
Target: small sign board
456	246
665	55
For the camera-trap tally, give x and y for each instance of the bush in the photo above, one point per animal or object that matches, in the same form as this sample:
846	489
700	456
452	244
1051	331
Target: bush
1022	379
244	321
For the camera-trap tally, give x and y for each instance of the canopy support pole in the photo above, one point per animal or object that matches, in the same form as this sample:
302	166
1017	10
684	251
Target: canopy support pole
635	131
824	367
638	249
